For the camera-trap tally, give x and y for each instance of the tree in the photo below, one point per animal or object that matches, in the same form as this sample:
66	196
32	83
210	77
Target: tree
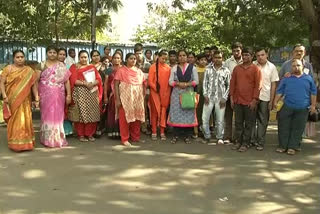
266	23
44	20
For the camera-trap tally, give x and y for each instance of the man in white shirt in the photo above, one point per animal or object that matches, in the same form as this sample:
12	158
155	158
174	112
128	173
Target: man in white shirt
230	63
270	77
70	60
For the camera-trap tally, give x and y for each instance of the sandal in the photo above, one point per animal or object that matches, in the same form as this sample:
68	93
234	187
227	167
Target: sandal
83	139
195	136
291	152
280	150
243	149
92	139
154	137
259	148
126	143
187	140
174	140
163	137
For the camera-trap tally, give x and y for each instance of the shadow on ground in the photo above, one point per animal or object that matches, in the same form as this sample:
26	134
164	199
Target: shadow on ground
159	178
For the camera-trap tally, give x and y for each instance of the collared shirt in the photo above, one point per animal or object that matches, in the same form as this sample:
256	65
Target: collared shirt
216	83
245	84
286	67
231	63
297	91
269	74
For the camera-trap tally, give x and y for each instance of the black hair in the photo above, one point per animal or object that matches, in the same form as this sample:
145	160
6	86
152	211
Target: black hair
248	50
128	55
106	47
51	47
172	52
161	53
192	53
148	50
182	51
63	49
214	47
298	45
17	51
138	47
94	51
207	48
71	50
83	51
103	58
200	56
236	45
261	49
217	52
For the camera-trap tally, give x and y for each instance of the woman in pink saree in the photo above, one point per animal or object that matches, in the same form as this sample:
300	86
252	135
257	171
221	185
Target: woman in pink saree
53	86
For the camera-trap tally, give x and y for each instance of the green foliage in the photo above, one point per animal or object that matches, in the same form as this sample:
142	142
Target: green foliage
44	20
266	23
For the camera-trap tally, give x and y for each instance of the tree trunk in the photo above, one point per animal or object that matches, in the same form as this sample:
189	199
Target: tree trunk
56	31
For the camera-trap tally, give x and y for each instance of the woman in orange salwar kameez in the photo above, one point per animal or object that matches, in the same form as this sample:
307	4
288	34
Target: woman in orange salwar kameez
159	74
130	92
17	80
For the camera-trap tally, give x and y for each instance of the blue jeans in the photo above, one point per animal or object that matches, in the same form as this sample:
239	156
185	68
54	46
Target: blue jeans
219	116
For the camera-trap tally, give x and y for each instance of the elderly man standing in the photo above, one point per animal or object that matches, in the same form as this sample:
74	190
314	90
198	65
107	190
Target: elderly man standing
299	91
298	52
270	77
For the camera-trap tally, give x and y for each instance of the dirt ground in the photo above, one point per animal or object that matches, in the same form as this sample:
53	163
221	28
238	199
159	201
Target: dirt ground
159	178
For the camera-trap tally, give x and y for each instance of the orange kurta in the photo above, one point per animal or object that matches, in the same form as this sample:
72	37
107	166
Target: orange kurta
159	101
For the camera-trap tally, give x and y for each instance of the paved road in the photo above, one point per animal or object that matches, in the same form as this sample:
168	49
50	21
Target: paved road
159	178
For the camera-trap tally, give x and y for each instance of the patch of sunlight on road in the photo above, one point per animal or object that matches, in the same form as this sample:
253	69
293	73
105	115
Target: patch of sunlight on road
132	173
125	204
188	156
269	207
198	193
17	194
87	195
95	167
142	152
293	175
282	162
304	199
19	211
195	173
64	212
34	173
267	177
84	202
46	149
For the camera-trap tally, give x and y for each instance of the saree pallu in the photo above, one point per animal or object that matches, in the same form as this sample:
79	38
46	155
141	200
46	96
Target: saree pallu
112	123
19	126
52	103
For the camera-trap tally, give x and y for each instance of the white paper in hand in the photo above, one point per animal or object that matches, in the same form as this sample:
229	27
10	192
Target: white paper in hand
90	76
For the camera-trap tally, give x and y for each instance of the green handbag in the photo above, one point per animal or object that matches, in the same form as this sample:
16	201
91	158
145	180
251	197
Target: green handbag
189	100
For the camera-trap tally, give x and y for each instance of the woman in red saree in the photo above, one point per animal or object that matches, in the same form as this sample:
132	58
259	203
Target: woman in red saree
159	74
112	122
17	80
86	87
130	92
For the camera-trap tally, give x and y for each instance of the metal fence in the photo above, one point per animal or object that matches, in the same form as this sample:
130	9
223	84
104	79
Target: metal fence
37	52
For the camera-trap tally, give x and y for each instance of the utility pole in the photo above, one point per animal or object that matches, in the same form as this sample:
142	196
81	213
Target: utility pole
93	23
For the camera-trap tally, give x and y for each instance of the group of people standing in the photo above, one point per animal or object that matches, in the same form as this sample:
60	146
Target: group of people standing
123	98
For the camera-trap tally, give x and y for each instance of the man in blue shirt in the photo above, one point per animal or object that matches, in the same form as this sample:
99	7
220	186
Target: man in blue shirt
298	52
299	91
